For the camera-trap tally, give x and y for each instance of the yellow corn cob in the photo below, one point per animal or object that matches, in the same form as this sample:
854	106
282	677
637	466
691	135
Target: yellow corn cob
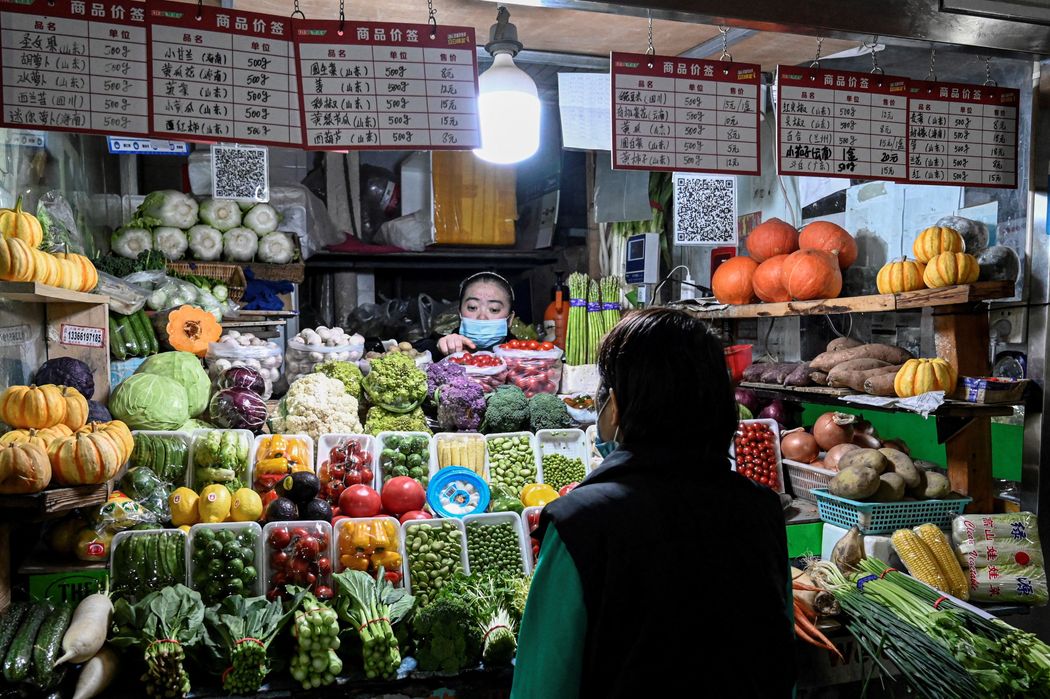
919	559
942	552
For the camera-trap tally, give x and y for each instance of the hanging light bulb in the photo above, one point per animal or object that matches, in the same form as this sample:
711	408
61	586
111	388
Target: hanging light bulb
508	103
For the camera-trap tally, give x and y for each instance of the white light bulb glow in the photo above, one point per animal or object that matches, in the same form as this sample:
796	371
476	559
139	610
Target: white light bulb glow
508	112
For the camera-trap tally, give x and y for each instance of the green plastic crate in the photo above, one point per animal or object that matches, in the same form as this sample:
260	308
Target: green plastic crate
886	517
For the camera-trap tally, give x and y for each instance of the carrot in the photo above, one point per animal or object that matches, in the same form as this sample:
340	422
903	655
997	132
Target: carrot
809	632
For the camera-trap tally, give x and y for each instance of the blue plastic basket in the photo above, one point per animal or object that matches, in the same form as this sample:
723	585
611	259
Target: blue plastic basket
886	517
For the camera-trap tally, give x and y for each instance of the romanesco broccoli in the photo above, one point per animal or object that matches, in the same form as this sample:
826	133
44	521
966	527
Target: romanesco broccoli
380	420
347	372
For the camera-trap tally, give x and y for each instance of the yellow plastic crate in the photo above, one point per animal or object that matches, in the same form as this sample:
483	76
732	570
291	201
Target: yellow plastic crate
474	201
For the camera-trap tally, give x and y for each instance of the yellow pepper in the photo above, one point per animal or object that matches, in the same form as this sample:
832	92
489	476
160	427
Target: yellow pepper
537	497
272	466
358	561
297	452
361	538
380	536
525	491
390	560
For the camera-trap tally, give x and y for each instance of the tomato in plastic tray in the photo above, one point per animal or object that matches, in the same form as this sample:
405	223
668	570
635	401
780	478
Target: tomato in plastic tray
298	553
349	463
756	454
533	520
532	369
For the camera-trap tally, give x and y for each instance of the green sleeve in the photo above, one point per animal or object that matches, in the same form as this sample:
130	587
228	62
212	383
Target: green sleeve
551	638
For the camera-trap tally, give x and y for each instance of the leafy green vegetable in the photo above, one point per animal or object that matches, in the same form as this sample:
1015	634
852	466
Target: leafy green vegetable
150	402
184	369
447	637
373	607
164	624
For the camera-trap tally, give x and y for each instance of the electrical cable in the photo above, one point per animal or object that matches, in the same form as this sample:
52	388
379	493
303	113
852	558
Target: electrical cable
656	291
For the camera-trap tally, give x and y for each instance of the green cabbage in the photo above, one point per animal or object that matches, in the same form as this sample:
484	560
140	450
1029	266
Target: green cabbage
150	402
184	369
193	425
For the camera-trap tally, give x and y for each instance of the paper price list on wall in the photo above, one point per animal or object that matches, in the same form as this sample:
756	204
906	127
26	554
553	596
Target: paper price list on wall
371	85
684	115
962	134
833	123
223	75
75	66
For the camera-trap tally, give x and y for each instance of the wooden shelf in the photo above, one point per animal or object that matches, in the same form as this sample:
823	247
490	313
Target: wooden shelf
240	324
436	258
878	303
34	292
268	314
830	396
52	501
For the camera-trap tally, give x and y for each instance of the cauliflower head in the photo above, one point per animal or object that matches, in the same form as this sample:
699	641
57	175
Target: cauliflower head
317	404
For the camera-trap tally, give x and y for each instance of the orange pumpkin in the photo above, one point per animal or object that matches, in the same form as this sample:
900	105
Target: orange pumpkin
732	283
935	240
811	274
76	408
768	282
33	407
84	458
48	269
16	261
771	238
24	468
41	438
191	330
117	432
951	268
88	273
15	223
827	236
919	376
899	276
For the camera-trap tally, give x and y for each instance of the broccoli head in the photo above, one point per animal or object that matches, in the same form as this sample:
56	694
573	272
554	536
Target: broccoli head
380	420
445	640
506	410
548	412
347	372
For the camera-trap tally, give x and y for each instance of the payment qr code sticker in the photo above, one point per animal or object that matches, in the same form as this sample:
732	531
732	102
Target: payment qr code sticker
240	172
704	209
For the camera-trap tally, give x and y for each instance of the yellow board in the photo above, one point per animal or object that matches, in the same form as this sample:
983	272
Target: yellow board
474	201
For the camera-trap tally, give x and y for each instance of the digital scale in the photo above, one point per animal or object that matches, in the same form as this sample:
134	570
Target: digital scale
642	264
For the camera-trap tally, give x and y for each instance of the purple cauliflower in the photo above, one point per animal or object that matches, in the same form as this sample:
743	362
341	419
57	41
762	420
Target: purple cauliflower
441	373
461	404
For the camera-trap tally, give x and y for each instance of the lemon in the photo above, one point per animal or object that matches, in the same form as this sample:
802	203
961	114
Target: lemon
247	506
183	504
214	504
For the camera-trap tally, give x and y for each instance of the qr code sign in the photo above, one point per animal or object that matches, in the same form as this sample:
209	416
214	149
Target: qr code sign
704	209
240	172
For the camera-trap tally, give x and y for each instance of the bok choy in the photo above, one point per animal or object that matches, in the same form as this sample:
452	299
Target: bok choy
220	214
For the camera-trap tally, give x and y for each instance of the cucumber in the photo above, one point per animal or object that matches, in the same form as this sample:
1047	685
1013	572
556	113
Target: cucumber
127	334
48	645
147	331
116	342
9	623
140	336
19	658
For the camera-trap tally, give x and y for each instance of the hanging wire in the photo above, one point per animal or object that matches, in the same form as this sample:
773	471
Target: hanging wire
726	56
297	12
988	71
875	68
342	16
816	59
200	8
652	49
432	17
932	73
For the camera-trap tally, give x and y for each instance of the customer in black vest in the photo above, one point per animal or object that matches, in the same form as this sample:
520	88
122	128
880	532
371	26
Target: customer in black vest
664	573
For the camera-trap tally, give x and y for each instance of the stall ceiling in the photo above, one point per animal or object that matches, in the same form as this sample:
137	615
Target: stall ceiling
572	31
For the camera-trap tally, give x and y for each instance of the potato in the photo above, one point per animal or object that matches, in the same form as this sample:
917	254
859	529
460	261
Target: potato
855	483
938	486
843	343
902	465
891	488
868	458
926	465
919	491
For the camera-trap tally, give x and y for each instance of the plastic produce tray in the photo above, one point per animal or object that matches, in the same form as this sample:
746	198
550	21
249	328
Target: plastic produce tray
435	445
239	528
571	443
337	550
491	518
533	443
327	441
886	517
432	523
775	427
122	539
246	476
805	478
431	466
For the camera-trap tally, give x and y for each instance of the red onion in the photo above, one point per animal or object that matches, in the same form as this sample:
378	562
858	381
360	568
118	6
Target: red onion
774	411
831	459
832	429
799	445
748	399
238	409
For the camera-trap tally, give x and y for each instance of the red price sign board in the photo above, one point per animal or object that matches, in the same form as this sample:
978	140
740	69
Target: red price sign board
685	115
75	66
223	75
962	134
834	123
378	85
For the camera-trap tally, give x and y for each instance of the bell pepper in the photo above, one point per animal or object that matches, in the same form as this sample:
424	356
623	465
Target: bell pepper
503	500
297	452
360	538
391	560
528	489
393	577
537	497
358	561
380	536
275	465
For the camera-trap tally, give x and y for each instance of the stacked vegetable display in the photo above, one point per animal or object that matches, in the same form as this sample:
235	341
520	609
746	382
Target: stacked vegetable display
224	561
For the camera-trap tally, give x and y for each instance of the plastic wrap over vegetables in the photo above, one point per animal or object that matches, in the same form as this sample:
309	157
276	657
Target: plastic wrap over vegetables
247	378
238	409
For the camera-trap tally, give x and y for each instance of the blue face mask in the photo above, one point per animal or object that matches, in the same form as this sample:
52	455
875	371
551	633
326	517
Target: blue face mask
605	447
483	333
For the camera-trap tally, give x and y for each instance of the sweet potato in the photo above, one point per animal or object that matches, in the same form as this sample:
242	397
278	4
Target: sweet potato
754	372
886	353
799	376
818	377
881	384
855	379
777	373
843	343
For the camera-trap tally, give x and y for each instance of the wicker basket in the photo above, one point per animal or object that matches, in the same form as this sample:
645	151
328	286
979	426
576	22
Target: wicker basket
230	274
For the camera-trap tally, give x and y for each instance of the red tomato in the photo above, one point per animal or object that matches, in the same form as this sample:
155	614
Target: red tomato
546	346
323	592
532	345
360	501
278	560
308	547
280	538
403	494
414	514
567	489
324	566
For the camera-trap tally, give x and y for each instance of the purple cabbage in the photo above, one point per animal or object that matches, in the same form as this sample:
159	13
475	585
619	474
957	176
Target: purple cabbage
245	377
774	411
238	409
98	412
66	371
749	399
461	404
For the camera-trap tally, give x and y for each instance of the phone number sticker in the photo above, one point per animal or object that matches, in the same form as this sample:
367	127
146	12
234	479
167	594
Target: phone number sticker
82	336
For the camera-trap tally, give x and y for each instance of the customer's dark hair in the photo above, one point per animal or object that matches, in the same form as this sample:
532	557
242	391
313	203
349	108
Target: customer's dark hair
669	374
492	277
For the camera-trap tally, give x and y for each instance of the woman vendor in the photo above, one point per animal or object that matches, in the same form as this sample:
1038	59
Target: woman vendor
485	315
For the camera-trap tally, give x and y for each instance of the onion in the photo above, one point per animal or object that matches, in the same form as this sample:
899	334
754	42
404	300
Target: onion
868	441
799	445
748	399
774	411
238	409
819	464
832	429
831	459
